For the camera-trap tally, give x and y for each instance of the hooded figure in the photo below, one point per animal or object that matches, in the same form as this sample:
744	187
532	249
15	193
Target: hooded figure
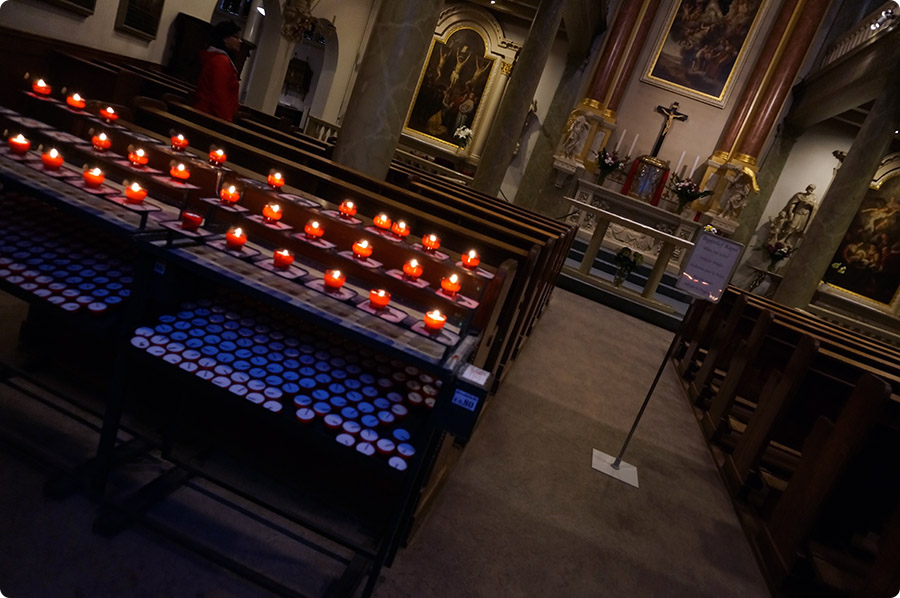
218	85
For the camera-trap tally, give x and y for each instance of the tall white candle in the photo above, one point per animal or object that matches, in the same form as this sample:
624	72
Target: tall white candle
619	142
680	160
633	143
694	167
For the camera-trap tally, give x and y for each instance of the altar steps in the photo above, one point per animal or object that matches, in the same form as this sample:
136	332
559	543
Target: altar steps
604	268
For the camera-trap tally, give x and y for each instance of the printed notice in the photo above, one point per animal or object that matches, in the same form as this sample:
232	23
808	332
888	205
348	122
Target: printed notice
475	375
709	267
464	399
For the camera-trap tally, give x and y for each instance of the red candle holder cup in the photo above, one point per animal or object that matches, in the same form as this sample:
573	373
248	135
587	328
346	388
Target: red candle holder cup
93	177
101	142
334	279
451	285
313	229
19	145
134	193
109	113
138	157
382	221
470	260
283	259
347	209
217	157
400	229
41	88
229	195
275	180
434	320
235	239
191	221
179	142
412	269
379	298
179	172
52	159
362	250
76	101
272	212
431	242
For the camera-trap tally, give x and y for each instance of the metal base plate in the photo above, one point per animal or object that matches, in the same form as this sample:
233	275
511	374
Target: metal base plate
625	473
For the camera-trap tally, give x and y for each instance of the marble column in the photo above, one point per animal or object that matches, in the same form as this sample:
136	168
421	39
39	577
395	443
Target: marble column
635	47
507	126
386	84
605	75
838	208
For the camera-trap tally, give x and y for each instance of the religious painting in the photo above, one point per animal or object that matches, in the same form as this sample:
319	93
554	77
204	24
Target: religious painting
82	7
702	47
867	262
139	18
451	87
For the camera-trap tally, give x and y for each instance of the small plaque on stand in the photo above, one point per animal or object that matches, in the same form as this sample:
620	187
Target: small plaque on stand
343	293
243	253
272	224
368	262
320	242
399	275
438	255
291	273
300	200
215	201
338	216
175	226
389	313
443	336
462	300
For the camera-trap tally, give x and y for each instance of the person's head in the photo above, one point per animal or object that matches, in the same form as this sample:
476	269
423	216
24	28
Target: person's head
226	36
810	188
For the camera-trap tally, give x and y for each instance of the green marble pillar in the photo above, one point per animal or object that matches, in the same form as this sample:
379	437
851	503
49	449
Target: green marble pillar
386	84
507	126
840	205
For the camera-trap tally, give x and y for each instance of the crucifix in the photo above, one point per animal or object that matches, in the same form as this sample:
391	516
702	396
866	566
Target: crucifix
672	114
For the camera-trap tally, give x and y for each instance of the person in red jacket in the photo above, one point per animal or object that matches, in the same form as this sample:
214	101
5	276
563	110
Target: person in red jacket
218	85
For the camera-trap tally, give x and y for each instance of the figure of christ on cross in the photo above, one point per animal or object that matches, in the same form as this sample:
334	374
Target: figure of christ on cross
671	113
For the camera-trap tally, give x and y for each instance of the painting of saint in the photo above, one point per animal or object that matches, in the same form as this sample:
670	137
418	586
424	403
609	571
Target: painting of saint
451	87
867	262
701	48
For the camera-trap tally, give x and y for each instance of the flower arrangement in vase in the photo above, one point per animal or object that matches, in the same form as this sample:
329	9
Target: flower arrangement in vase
464	134
685	191
776	252
627	261
607	164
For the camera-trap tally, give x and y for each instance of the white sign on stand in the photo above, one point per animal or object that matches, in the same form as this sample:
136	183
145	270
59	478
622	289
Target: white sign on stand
706	274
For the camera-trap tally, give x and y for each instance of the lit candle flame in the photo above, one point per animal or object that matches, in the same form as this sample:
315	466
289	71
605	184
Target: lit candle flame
135	186
180	166
110	110
401	225
363	244
435	314
285	252
276	208
41	83
315	224
454	278
231	189
432	238
76	97
277	175
96	171
349	204
238	232
381	293
472	254
335	274
102	136
139	152
20	138
53	153
413	263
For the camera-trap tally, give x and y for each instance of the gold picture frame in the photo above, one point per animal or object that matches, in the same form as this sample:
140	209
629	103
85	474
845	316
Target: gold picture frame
139	18
702	48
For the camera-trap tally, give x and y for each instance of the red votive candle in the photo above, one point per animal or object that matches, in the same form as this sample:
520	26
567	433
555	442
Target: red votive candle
235	238
101	142
362	249
180	172
470	260
283	259
217	157
400	229
451	285
334	279
76	101
179	142
52	159
191	221
134	193
138	157
431	242
229	194
93	177
313	229
272	212
275	180
109	113
379	298
347	209
435	320
382	221
18	144
41	88
412	269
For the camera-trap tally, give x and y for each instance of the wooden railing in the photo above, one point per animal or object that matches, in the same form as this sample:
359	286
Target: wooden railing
320	129
864	32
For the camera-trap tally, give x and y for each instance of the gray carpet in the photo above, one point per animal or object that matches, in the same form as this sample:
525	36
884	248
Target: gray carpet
523	513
